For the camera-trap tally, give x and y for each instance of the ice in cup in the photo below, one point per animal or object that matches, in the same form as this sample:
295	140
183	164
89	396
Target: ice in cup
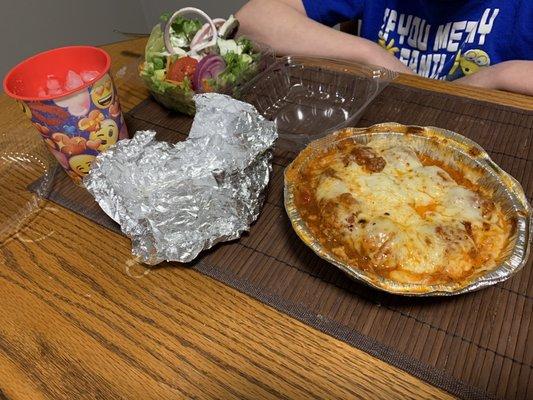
69	95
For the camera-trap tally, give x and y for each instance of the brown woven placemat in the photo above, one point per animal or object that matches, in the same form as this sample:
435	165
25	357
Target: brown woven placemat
477	345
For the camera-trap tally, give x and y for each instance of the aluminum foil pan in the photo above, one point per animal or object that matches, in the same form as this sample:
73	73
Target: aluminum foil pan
447	146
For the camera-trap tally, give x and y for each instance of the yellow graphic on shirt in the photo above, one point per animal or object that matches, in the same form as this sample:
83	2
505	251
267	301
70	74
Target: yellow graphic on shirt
388	46
471	61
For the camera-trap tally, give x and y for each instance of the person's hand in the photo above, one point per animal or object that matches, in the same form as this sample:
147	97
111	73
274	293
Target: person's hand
512	76
485	78
284	26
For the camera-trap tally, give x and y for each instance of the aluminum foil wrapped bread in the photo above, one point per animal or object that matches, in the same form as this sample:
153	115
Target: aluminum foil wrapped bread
174	201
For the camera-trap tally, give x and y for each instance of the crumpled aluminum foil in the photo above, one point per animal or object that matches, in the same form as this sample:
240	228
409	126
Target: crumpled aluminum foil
174	201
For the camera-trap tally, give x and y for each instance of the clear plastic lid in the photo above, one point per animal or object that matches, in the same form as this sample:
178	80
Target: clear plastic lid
310	97
24	161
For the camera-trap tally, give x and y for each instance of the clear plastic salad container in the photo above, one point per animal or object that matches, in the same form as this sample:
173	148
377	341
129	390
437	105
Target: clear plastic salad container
310	97
188	53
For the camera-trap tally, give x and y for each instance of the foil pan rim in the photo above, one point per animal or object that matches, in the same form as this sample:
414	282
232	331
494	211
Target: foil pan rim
511	265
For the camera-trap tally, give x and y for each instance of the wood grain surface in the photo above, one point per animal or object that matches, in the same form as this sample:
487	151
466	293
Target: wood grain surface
79	319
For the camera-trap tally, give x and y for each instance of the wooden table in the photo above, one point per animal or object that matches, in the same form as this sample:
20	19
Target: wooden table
80	319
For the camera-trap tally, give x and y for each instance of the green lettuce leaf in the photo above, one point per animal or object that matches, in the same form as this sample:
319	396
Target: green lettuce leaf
175	96
155	51
246	44
183	27
239	67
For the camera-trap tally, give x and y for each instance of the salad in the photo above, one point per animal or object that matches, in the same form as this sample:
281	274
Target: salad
184	57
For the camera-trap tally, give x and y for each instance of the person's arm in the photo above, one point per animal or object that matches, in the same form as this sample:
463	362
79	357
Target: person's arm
284	26
512	76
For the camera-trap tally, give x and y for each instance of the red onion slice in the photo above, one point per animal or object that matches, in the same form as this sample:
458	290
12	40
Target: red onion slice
208	68
205	34
219	22
196	11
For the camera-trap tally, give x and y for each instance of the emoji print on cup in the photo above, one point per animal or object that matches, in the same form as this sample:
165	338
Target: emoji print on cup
107	135
72	146
81	163
92	121
114	109
102	93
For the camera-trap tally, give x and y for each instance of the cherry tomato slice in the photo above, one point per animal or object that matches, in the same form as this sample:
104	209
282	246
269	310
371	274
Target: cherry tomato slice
180	68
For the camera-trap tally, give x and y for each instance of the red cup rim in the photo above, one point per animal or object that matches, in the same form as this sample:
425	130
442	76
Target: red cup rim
65	93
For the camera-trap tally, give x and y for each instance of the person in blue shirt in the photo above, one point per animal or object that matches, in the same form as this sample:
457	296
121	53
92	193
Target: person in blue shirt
486	43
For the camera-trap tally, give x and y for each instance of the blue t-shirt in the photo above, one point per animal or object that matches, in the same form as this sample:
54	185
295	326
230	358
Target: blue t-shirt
442	39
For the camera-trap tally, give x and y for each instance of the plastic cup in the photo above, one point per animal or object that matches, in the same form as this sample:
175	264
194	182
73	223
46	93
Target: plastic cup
79	122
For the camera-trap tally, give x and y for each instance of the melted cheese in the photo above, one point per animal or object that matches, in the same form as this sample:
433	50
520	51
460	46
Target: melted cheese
411	221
